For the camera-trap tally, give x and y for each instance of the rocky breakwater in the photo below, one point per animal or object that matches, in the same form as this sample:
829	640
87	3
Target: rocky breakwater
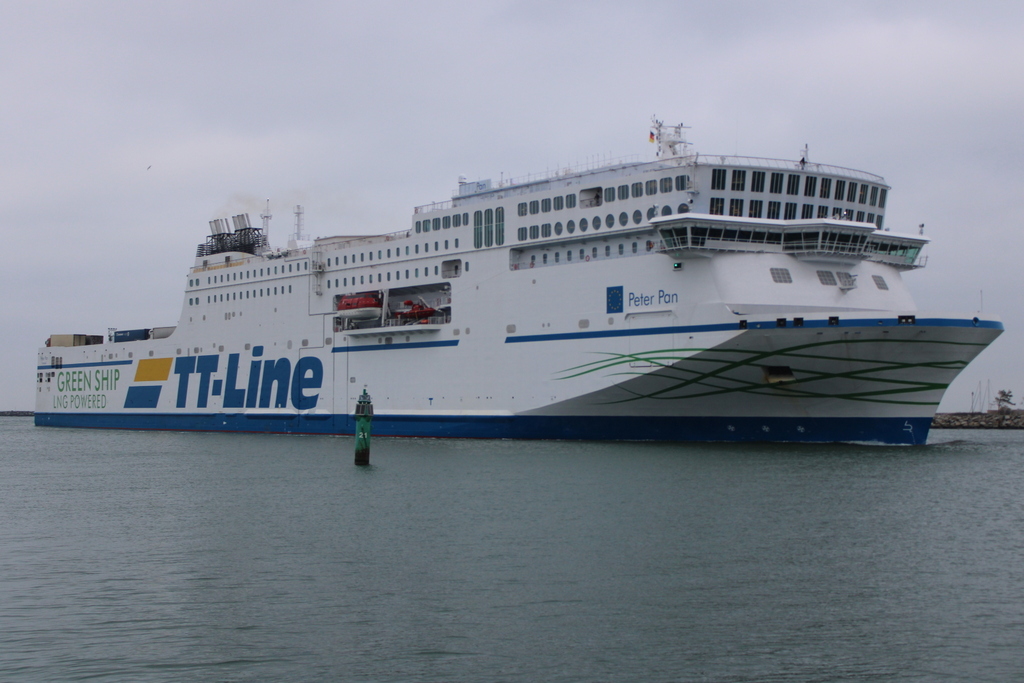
1013	419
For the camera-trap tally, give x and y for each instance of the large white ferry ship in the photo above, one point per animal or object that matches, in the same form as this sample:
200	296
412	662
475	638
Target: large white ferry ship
688	298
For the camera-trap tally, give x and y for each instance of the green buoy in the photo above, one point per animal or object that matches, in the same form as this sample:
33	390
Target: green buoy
364	416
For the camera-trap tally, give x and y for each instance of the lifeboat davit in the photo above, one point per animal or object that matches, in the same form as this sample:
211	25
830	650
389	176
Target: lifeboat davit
360	306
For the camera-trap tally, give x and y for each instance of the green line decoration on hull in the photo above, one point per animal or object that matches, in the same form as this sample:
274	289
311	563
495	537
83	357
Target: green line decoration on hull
685	374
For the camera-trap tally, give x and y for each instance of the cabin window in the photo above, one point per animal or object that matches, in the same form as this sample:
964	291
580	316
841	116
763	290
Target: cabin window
437	224
607	250
456	242
417	272
810	186
822	212
826	188
557	254
666	184
718	179
559	202
622	248
545	206
623	191
860	216
756	207
863	194
568	256
790	211
881	198
446	222
807	211
739	181
735	207
594	253
651	187
457	219
637	217
609	194
534	207
417	226
880	282
545	230
851	195
570	227
426	248
406	274
416	248
682	183
874	196
522	209
499	227
717	206
826	277
773	210
776	183
634	247
446	244
522	234
488	228
757	181
840	190
583	254
544	259
637	190
781	275
570	201
846	280
871	218
478	228
534	232
793	184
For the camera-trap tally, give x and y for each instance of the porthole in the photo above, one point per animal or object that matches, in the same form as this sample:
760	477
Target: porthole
570	227
623	219
558	228
609	221
597	222
637	216
583	225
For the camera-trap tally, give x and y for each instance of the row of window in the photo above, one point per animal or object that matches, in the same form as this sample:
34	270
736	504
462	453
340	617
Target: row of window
235	296
547	205
545	230
594	254
414	249
775	209
442	222
248	274
828	278
385	277
342	282
862	193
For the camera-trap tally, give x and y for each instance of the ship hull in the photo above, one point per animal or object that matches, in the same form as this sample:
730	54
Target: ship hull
866	380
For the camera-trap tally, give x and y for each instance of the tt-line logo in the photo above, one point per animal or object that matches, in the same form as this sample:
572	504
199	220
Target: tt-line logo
268	383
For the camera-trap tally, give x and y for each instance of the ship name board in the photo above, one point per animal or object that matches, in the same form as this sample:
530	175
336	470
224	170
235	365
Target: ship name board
659	299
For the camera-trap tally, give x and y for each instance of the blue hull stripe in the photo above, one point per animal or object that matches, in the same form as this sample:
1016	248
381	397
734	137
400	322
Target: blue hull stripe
393	347
892	430
760	324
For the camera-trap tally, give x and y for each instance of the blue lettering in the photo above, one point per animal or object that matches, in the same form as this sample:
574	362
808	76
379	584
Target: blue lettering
233	397
254	378
309	374
667	297
183	367
205	366
279	371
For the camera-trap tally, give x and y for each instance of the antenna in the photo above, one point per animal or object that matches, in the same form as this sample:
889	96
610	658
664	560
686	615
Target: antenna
298	223
266	216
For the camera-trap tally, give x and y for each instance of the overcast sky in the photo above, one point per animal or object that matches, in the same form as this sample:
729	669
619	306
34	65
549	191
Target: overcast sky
126	126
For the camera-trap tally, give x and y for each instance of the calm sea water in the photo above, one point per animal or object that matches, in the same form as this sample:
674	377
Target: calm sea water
202	557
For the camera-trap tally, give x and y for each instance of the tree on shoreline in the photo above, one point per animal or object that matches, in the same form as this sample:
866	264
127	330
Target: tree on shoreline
1004	399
